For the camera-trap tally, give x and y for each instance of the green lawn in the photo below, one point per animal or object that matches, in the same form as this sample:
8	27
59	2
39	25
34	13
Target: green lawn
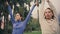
34	32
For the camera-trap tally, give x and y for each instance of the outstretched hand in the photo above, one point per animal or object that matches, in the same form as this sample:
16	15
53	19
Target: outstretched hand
37	3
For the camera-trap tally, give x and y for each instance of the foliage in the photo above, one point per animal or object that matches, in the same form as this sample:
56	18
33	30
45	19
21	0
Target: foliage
33	24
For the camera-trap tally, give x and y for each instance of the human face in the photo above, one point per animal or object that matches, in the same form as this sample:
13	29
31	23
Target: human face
18	17
48	14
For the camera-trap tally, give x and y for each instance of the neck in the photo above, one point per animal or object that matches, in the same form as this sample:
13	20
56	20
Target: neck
48	18
17	20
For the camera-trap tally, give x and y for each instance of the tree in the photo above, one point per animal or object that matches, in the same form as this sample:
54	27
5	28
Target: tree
21	9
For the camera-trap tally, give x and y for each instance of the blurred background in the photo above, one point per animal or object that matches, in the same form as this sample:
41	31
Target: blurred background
24	6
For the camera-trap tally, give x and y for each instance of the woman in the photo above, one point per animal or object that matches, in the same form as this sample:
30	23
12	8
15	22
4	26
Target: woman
18	25
48	20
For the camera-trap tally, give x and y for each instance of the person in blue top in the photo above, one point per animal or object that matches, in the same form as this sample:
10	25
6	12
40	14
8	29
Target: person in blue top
18	25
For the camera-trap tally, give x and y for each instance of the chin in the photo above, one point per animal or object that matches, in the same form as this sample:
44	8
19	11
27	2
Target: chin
47	18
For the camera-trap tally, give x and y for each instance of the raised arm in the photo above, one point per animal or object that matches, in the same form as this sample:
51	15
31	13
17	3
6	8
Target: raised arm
10	12
52	7
41	11
28	16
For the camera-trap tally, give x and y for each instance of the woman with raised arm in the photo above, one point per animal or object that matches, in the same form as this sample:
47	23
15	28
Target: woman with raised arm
48	19
18	25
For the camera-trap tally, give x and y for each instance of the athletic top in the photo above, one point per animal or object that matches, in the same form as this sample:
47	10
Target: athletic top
19	26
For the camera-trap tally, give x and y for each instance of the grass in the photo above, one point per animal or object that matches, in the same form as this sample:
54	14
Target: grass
33	32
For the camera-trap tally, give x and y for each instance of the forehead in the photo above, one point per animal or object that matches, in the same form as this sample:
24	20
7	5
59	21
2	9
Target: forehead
47	10
17	14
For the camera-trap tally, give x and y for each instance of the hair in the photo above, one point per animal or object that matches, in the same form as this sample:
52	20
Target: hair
52	13
20	15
